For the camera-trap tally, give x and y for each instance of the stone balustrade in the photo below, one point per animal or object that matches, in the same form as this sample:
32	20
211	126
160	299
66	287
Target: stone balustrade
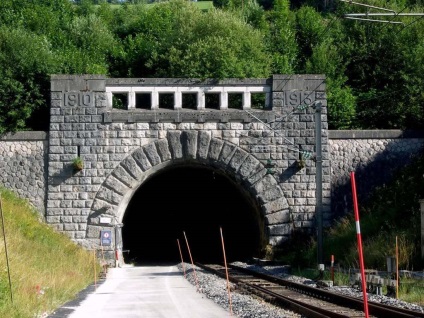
200	93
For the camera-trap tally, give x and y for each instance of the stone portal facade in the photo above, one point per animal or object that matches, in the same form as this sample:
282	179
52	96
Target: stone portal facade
259	147
125	130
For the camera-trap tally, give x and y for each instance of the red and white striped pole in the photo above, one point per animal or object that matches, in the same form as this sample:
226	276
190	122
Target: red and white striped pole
332	268
359	238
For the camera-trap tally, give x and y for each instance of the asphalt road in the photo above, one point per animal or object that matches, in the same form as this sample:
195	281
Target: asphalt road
148	292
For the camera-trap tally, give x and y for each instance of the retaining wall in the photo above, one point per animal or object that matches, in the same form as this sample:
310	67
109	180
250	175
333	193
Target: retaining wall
374	155
23	162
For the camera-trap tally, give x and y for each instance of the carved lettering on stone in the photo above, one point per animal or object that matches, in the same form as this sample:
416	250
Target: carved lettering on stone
81	99
296	98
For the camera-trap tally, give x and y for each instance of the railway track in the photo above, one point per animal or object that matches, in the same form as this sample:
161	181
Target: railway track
305	300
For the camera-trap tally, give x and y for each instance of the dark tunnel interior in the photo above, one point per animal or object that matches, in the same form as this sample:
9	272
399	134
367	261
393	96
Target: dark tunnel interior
196	201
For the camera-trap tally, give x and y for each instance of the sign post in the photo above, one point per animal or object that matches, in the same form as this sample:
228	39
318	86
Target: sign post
106	237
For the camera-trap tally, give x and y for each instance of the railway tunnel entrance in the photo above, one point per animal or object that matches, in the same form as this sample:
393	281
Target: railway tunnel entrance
197	200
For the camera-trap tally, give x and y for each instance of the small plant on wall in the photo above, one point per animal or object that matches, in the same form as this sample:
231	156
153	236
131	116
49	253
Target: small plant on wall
78	164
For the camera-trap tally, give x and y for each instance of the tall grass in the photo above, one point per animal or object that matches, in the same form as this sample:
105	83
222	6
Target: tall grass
46	268
393	210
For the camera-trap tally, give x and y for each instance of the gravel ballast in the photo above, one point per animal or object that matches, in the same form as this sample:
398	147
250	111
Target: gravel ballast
243	306
215	288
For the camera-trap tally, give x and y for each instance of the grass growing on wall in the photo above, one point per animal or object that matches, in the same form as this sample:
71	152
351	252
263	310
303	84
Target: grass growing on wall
46	268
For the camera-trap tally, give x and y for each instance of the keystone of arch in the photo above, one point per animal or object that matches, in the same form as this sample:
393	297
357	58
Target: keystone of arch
184	147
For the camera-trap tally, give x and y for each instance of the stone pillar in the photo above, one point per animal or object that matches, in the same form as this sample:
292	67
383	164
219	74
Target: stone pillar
422	228
223	100
77	107
246	100
293	98
155	100
178	100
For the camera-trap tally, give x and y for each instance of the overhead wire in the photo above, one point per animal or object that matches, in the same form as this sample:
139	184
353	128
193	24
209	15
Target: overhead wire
335	18
409	25
385	53
306	153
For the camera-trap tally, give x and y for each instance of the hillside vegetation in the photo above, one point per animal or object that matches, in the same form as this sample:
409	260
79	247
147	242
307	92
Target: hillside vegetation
393	210
46	268
374	71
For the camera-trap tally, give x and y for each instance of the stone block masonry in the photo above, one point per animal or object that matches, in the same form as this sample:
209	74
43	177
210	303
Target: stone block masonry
260	148
122	147
374	155
23	166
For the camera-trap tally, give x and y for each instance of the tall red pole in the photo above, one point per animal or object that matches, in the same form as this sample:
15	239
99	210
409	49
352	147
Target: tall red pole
359	238
226	272
192	263
181	254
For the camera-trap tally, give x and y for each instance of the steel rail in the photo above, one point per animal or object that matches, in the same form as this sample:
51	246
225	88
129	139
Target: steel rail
376	309
301	308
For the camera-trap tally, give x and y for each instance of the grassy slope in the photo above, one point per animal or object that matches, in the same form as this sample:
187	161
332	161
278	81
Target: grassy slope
39	259
393	210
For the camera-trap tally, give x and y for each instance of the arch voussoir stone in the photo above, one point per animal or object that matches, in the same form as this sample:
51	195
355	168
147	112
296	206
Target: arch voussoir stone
189	143
215	149
264	183
122	175
249	166
141	159
109	196
115	184
118	188
132	167
163	149
279	217
237	160
270	194
175	146
276	205
227	153
280	229
203	141
257	175
101	206
152	153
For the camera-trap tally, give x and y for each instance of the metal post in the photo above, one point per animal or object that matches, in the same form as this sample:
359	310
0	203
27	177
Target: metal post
5	250
119	258
318	180
422	228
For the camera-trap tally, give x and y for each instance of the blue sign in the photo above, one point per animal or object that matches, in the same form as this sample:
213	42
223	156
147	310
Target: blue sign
106	237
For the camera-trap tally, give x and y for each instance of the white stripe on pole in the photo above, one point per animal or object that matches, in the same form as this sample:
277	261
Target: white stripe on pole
358	228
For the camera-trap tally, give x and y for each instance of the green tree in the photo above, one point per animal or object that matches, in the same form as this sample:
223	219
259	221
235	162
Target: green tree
25	61
88	47
281	38
176	39
320	55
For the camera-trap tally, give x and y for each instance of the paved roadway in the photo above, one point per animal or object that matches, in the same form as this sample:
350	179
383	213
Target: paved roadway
147	292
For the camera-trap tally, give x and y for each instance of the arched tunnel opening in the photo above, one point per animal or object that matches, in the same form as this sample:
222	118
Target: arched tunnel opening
197	201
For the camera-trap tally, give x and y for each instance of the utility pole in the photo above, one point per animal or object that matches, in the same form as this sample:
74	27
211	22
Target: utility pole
318	180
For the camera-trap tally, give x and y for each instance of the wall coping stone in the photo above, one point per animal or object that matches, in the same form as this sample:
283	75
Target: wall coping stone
186	81
375	134
25	136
